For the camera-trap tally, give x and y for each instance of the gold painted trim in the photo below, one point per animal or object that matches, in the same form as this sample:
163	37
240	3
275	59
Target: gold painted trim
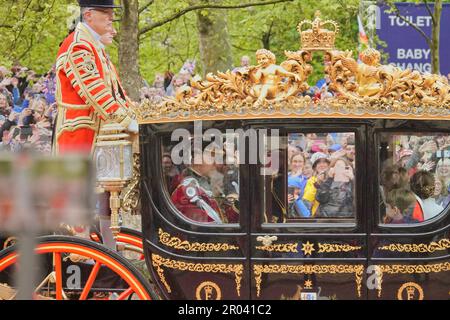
74	106
158	262
280	247
441	245
308	248
331	247
146	118
408	269
258	270
176	243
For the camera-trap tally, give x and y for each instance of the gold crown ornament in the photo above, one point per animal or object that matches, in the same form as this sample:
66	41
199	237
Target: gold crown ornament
318	37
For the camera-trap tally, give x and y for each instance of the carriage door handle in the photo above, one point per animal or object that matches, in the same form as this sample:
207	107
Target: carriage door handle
267	240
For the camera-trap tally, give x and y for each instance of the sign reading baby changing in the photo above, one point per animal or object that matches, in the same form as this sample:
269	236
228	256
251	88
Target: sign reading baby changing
407	48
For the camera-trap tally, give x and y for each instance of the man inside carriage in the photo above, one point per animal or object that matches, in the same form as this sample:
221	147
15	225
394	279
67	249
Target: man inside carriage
208	189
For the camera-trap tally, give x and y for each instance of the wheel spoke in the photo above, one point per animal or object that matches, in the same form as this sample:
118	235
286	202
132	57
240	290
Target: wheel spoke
58	275
90	280
125	294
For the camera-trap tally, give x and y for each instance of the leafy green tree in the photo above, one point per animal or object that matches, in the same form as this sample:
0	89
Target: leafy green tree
251	28
31	31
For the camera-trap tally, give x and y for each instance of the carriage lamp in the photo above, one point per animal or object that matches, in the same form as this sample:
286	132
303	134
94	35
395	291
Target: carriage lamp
114	163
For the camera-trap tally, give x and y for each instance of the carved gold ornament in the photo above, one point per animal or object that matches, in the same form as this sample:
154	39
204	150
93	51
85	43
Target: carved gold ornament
411	289
441	245
176	243
130	194
318	37
266	240
409	269
259	269
208	290
158	262
268	90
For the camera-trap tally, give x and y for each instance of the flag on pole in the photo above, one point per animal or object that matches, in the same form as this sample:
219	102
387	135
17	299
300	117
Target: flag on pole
363	38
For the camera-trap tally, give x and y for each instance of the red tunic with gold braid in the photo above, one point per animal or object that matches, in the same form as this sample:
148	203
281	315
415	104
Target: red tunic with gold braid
88	92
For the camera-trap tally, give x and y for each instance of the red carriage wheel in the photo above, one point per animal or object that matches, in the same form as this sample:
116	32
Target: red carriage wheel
97	261
127	240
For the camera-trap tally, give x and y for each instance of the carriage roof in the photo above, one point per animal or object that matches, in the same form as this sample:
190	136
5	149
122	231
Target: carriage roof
363	89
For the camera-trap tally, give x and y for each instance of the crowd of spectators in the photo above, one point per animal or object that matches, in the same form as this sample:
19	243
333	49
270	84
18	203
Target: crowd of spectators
27	109
321	175
167	84
415	180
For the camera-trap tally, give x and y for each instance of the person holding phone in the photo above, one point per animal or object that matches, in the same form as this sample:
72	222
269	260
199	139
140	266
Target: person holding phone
335	194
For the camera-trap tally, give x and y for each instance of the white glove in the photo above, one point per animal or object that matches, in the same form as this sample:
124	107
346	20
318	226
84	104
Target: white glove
133	127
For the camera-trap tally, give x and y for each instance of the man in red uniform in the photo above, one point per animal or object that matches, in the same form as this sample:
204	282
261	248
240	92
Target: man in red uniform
89	91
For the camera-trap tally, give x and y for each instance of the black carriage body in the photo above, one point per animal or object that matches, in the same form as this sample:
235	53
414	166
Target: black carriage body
362	259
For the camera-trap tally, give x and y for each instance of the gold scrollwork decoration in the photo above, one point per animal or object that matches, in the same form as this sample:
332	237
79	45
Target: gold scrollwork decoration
279	247
259	269
158	262
408	269
130	194
176	243
440	245
333	247
308	248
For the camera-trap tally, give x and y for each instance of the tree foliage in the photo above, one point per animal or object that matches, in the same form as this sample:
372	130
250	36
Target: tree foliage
252	28
31	30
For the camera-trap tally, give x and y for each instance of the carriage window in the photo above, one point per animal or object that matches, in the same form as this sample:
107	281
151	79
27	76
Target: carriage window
414	176
203	183
315	179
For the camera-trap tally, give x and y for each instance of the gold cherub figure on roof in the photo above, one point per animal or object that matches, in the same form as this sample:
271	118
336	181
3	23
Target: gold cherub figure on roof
267	76
366	73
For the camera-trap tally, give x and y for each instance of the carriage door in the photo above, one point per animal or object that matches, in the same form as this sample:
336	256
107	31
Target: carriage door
194	214
409	241
308	231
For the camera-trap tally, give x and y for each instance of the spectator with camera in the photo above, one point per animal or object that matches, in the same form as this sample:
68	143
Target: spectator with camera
335	194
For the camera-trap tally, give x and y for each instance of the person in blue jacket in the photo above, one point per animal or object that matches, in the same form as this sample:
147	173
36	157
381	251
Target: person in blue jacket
297	208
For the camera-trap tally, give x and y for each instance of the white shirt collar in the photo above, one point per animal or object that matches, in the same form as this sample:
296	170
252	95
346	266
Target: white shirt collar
94	34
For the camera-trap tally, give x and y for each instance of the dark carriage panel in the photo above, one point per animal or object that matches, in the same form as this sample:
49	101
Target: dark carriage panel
413	258
307	259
